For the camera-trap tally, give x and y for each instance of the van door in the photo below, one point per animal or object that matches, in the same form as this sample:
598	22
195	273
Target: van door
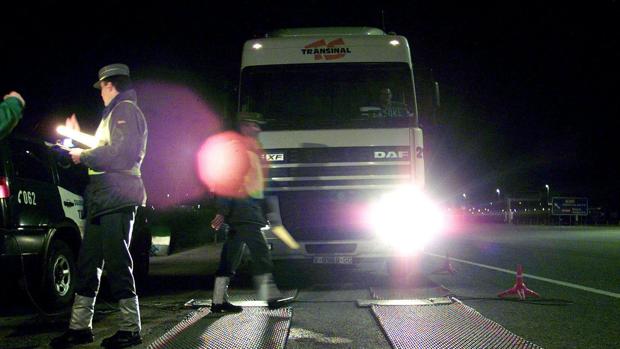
34	201
72	181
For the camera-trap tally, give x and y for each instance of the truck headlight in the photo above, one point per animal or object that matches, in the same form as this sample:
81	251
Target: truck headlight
406	218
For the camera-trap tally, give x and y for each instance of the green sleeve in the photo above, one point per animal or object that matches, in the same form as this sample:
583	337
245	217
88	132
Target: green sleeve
10	114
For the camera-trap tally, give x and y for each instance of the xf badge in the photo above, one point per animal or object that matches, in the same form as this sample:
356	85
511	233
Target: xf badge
275	157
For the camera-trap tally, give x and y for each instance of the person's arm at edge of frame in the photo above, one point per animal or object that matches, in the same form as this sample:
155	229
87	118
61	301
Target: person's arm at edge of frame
10	113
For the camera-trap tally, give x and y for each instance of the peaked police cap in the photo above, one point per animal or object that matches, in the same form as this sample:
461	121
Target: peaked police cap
111	70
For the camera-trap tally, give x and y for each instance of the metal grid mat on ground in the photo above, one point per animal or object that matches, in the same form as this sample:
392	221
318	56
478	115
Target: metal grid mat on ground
408	293
453	326
254	327
189	320
237	297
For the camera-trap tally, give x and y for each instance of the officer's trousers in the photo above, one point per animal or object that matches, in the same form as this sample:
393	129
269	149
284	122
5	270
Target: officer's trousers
232	251
106	242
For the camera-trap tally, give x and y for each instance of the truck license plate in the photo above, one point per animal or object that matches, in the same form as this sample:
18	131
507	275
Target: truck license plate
333	260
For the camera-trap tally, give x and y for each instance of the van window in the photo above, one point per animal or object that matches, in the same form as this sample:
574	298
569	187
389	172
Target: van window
30	161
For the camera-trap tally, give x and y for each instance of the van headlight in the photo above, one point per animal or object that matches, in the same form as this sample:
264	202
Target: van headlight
406	219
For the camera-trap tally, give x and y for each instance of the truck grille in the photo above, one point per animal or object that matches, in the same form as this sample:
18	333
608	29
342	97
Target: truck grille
336	169
324	193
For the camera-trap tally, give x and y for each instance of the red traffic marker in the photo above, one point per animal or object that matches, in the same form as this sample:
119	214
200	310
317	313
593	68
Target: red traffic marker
519	288
447	267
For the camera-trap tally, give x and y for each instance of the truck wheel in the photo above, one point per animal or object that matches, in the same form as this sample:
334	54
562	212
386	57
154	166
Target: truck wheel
60	275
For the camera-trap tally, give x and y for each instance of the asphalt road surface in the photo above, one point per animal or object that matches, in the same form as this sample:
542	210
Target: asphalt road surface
576	270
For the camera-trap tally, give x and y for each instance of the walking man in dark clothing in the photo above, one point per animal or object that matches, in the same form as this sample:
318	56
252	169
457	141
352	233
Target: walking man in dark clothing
245	214
112	197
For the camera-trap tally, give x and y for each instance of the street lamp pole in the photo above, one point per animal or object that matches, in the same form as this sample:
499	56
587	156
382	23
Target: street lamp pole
548	209
498	192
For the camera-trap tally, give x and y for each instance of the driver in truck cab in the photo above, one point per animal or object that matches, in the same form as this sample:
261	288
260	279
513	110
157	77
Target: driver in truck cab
390	108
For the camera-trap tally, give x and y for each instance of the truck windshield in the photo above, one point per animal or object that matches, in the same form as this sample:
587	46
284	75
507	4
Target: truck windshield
329	95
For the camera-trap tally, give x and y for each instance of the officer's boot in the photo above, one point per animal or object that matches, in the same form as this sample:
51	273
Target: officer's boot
220	302
269	292
80	326
130	326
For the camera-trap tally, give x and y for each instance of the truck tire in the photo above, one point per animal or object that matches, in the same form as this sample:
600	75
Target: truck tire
60	274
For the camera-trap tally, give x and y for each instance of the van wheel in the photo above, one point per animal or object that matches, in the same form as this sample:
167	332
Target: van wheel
60	275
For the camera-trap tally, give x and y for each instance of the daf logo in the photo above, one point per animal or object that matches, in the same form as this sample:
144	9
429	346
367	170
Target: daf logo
275	157
391	154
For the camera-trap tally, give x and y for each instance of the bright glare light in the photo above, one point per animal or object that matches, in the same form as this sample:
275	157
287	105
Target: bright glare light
223	163
257	46
406	219
67	142
86	139
394	42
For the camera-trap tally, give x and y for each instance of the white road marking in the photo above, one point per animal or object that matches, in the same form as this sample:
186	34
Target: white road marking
557	282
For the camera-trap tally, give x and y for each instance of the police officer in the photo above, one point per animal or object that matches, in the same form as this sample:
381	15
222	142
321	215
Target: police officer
112	197
245	216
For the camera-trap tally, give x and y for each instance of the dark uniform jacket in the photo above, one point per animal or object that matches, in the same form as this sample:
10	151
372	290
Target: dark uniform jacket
242	211
115	180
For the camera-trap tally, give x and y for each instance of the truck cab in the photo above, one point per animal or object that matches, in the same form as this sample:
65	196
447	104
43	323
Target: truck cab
344	149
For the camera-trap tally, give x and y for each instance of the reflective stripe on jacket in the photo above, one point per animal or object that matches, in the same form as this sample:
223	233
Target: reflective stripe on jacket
119	156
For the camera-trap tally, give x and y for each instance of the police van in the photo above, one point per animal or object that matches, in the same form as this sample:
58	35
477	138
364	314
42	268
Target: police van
42	220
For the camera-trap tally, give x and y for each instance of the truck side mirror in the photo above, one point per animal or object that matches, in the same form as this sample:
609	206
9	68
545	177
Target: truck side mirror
436	104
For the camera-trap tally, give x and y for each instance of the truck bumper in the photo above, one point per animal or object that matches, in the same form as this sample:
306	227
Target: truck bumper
333	252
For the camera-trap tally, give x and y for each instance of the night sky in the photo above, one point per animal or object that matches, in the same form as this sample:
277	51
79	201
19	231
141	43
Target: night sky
528	90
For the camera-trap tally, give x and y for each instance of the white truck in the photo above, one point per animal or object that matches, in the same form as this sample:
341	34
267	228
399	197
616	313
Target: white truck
346	172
